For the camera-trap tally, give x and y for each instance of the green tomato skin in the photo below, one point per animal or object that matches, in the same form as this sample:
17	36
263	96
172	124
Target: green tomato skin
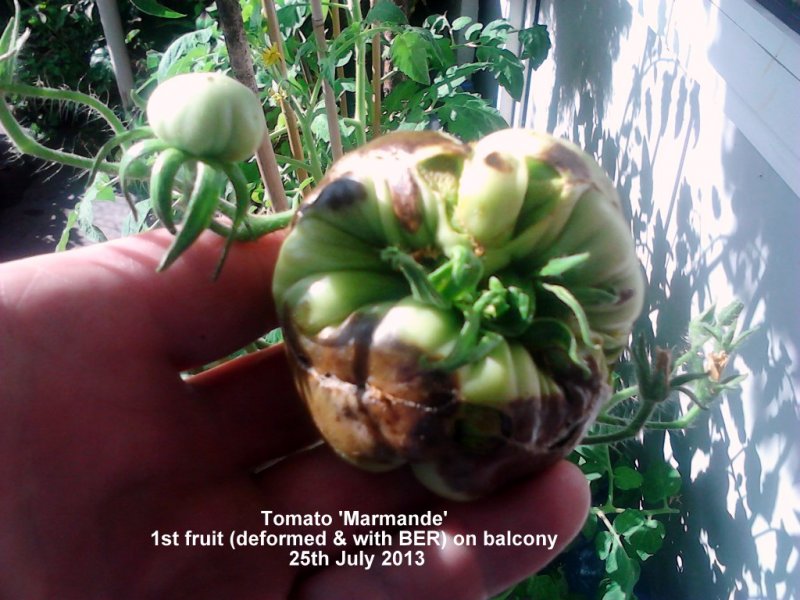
207	115
364	351
491	195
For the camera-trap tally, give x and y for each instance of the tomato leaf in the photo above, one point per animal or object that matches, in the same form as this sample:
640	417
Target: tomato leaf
603	544
535	44
406	93
86	226
136	220
506	67
7	64
460	23
730	314
72	219
442	54
647	539
410	56
151	7
496	32
170	62
436	23
611	590
100	189
621	568
472	30
626	478
291	16
386	11
661	481
468	116
448	83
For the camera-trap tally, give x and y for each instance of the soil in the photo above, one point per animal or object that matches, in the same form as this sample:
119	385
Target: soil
35	200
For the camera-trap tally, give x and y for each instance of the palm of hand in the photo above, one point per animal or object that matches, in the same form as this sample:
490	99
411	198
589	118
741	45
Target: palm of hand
103	443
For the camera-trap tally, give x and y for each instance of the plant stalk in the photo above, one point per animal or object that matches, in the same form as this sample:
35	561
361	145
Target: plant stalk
27	145
256	226
55	95
295	144
361	69
618	397
331	110
631	429
115	38
376	83
337	31
230	18
314	161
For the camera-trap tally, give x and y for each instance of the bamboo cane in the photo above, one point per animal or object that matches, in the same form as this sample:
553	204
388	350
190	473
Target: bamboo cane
361	75
331	111
115	37
376	82
337	31
295	144
230	18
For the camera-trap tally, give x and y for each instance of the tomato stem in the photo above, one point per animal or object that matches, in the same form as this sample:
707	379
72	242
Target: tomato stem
55	95
27	145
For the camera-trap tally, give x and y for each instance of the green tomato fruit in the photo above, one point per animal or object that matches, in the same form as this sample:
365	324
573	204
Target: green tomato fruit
457	307
207	115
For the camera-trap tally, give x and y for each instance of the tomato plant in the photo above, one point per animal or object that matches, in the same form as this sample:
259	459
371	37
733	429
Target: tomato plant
458	307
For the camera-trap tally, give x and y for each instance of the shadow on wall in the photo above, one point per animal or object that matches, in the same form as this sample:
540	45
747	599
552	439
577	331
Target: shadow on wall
585	47
733	503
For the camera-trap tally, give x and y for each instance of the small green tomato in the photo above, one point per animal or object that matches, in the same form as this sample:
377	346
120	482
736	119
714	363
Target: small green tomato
208	115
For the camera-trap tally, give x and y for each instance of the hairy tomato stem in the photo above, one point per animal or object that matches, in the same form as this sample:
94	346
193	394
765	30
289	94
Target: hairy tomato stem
27	145
66	96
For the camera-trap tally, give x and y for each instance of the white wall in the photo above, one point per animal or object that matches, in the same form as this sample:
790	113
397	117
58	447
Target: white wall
692	108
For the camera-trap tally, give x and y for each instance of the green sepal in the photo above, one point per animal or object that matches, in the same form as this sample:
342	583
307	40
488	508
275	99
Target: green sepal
652	372
685	378
730	314
470	345
506	310
546	333
594	296
10	45
421	287
162	178
199	212
556	267
465	353
138	101
242	193
135	153
459	276
118	140
566	297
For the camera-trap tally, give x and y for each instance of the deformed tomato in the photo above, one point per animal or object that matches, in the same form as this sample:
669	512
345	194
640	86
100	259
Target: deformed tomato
456	307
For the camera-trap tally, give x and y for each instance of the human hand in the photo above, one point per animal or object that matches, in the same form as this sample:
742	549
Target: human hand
103	442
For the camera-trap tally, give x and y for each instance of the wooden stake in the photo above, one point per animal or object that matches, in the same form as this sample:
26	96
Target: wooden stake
376	83
295	144
330	101
230	19
337	31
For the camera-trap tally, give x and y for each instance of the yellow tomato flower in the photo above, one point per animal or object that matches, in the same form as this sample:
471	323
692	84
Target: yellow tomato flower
271	56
